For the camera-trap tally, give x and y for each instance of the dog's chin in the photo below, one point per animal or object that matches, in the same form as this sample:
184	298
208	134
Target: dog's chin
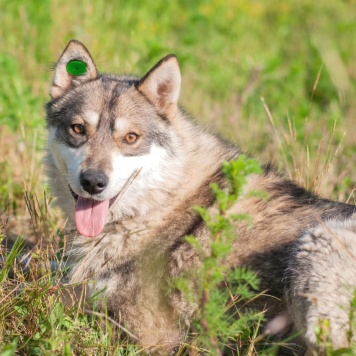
76	196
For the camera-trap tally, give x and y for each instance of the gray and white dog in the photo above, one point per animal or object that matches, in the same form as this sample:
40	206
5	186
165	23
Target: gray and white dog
127	167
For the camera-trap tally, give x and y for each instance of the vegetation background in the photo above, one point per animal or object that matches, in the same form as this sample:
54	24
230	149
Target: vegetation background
277	77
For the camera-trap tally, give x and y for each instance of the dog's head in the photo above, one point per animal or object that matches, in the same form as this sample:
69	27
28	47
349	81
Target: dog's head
106	132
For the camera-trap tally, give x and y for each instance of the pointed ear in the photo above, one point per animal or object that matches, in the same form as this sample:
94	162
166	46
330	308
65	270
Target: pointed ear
74	67
161	85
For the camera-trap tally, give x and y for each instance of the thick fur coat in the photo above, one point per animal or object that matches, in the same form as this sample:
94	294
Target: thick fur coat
127	167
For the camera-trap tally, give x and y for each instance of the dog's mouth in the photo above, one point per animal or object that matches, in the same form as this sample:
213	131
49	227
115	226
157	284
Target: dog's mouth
90	214
76	196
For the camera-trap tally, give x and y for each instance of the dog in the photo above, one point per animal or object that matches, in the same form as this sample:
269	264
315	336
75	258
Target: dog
127	167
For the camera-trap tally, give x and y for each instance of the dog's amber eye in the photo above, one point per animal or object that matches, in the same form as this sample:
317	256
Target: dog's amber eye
131	137
78	129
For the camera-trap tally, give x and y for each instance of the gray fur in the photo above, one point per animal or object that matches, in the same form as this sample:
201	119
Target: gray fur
142	244
322	274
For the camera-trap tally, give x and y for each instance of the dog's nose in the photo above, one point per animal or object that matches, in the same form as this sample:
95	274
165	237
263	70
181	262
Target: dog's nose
93	181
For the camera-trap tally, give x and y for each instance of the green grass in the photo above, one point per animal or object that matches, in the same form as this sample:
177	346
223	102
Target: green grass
299	56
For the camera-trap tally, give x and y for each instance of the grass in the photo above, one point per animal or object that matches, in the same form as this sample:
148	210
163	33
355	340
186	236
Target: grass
277	77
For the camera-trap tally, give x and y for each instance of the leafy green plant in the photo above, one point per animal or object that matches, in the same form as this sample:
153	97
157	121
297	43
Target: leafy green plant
218	291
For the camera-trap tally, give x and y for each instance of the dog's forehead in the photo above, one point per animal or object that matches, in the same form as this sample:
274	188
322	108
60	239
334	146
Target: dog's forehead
109	99
107	92
114	97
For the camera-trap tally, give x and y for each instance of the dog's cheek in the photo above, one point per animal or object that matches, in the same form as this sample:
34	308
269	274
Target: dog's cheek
56	149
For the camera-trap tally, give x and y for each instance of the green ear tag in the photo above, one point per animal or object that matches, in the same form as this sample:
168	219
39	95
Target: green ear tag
76	68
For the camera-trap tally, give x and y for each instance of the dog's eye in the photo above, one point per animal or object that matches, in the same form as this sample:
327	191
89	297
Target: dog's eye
78	129
131	138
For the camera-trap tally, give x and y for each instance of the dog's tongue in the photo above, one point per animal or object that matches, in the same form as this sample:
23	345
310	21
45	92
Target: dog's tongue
90	216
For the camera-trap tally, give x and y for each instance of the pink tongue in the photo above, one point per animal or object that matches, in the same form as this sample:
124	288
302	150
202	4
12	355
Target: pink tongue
90	216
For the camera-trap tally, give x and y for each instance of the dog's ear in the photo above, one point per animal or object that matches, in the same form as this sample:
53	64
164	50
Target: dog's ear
74	67
161	86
